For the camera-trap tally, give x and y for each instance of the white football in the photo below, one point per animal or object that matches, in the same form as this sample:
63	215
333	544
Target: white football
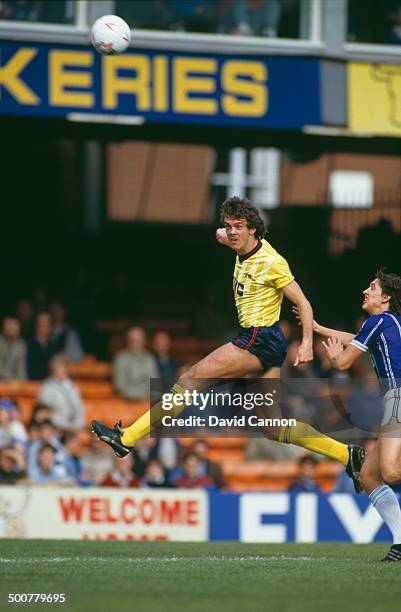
110	34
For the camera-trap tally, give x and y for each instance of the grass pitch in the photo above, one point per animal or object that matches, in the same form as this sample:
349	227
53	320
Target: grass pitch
166	577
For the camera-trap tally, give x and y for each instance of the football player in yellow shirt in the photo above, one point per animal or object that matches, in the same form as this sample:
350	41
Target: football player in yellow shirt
262	278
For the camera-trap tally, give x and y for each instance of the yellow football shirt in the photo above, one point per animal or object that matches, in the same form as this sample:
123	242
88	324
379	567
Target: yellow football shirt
259	278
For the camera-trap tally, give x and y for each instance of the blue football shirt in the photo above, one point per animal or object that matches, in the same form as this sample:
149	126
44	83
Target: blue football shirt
381	335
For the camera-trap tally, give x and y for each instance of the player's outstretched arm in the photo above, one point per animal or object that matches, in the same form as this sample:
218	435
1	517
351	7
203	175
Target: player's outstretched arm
345	337
221	236
294	293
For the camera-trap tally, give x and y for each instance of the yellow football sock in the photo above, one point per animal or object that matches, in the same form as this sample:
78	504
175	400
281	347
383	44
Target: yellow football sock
304	435
151	418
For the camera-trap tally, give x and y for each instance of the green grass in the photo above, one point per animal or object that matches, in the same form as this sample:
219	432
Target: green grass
166	577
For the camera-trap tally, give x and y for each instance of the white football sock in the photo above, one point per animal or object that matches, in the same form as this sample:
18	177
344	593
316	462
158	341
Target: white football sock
386	503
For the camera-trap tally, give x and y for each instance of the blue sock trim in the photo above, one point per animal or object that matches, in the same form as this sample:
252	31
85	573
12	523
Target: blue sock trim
378	492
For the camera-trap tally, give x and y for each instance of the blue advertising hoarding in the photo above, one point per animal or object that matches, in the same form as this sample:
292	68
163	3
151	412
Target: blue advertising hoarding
297	517
54	80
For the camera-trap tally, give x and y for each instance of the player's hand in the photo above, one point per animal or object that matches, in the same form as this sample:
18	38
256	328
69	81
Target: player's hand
304	354
315	324
333	348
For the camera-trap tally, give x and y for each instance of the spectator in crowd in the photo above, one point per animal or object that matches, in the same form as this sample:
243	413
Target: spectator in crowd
242	17
192	477
33	431
39	300
12	431
49	435
164	449
208	467
40	348
62	395
41	412
46	470
193	15
133	367
72	461
12	466
65	338
392	34
19	10
12	351
97	461
161	346
305	483
24	314
155	475
121	475
143	452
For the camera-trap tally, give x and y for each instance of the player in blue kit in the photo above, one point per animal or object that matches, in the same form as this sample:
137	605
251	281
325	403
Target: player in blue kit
381	336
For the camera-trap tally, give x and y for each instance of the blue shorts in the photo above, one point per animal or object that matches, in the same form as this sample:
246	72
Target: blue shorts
267	343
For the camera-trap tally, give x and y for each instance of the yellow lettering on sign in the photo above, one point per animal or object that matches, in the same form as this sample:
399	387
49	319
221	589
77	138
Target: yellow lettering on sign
247	79
60	79
10	77
114	84
185	85
160	88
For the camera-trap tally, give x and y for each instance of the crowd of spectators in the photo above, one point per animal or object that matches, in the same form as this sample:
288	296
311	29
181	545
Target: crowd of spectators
49	455
272	18
374	21
28	341
38	343
48	11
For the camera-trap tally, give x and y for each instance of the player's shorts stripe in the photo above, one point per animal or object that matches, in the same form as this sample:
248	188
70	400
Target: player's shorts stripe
252	340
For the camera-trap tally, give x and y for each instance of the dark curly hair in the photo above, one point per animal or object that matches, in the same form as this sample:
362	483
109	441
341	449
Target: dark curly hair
241	208
391	286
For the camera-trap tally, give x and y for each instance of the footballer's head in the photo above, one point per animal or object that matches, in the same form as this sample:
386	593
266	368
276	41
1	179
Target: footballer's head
242	222
383	293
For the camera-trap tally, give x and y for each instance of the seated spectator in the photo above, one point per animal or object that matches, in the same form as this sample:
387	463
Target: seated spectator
41	412
208	467
46	470
33	431
12	430
161	346
12	466
143	452
122	475
155	475
72	461
40	348
192	477
97	460
24	314
65	338
305	482
62	396
133	367
12	351
49	435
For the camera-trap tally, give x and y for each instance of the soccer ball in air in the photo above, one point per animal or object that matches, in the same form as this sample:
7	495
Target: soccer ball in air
110	34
